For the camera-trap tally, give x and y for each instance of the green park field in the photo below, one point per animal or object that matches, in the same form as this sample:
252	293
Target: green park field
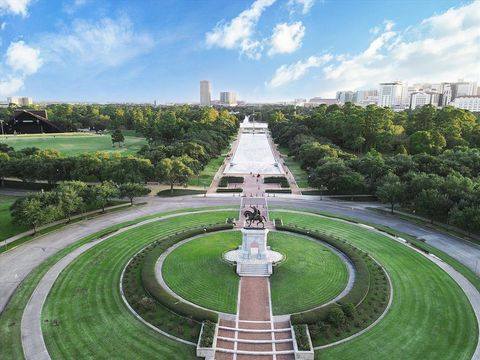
7	229
71	145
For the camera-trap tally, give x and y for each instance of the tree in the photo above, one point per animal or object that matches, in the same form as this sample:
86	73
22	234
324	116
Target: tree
391	190
34	210
117	137
337	178
467	218
428	142
336	317
4	162
173	170
132	190
101	194
433	203
70	198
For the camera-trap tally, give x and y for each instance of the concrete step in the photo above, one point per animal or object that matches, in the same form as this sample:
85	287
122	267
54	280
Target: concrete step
253	270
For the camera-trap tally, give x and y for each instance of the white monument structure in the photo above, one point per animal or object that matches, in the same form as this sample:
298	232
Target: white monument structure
254	257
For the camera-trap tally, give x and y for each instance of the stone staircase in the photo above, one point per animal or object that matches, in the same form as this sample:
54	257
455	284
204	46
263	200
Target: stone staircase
253	269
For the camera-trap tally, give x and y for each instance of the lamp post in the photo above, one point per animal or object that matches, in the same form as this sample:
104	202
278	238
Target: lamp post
1	124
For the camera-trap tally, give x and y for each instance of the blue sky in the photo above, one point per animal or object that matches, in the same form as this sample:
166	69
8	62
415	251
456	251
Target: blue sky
145	50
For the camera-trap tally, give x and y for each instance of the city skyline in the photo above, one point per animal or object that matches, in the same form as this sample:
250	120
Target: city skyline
264	50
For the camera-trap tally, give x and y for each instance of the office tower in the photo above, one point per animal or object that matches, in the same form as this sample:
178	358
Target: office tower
205	93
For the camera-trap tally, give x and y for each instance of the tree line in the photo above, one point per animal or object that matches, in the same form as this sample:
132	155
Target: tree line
70	198
427	160
181	141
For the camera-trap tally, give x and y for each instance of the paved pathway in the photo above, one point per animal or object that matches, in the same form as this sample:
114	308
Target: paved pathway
254	334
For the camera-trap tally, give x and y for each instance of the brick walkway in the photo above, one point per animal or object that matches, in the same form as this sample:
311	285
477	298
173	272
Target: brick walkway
254	334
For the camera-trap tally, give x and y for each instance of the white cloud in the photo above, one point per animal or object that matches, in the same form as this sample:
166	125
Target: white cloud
107	42
303	5
17	7
237	33
22	61
10	86
72	6
288	73
444	47
3	26
286	38
23	58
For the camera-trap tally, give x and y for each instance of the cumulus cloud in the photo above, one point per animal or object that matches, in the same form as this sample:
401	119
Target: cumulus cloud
288	73
106	42
238	33
444	47
303	5
23	58
286	38
22	61
16	7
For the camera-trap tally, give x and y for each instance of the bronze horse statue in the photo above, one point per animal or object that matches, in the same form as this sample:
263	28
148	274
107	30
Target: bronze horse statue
254	216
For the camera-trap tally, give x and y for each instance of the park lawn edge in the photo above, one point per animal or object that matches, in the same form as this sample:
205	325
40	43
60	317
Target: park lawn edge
10	317
457	265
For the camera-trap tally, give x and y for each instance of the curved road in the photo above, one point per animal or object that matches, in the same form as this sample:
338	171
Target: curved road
17	263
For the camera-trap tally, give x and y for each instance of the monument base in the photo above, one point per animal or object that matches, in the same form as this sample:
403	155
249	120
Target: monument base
254	257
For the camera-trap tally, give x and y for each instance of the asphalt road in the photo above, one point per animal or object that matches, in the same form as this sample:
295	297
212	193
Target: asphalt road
17	263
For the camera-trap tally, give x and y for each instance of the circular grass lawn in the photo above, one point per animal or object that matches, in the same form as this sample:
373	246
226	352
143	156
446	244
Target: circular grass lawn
197	272
310	276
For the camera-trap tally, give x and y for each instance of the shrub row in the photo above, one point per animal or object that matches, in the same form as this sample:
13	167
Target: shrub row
225	180
282	180
366	301
162	310
152	286
278	191
208	334
301	337
228	190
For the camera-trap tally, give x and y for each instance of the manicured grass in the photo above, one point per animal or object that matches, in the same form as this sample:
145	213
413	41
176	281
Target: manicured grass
197	272
206	175
299	174
75	145
430	317
10	318
7	229
310	269
85	302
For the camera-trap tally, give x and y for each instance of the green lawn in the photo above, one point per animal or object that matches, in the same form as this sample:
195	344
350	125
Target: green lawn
197	273
310	269
85	302
76	145
7	229
206	175
300	175
430	317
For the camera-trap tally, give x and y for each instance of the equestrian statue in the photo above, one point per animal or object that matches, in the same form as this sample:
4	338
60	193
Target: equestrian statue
254	216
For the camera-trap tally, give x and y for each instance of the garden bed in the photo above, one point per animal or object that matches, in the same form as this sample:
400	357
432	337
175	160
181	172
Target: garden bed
225	180
230	190
282	180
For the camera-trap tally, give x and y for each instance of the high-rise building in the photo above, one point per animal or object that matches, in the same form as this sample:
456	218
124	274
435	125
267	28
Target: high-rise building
20	101
446	94
422	98
228	98
463	88
365	97
205	93
471	103
394	95
344	96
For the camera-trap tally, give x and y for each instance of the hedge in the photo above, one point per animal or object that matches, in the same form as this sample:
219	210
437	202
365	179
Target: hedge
282	180
278	191
208	334
361	284
225	180
153	288
301	337
230	190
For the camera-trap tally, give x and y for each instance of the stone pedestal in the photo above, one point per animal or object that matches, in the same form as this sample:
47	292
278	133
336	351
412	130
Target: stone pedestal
254	243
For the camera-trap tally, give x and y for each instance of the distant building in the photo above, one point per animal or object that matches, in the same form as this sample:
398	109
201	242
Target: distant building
205	93
445	94
20	101
31	122
365	97
228	98
317	101
393	95
463	88
422	98
344	96
471	103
